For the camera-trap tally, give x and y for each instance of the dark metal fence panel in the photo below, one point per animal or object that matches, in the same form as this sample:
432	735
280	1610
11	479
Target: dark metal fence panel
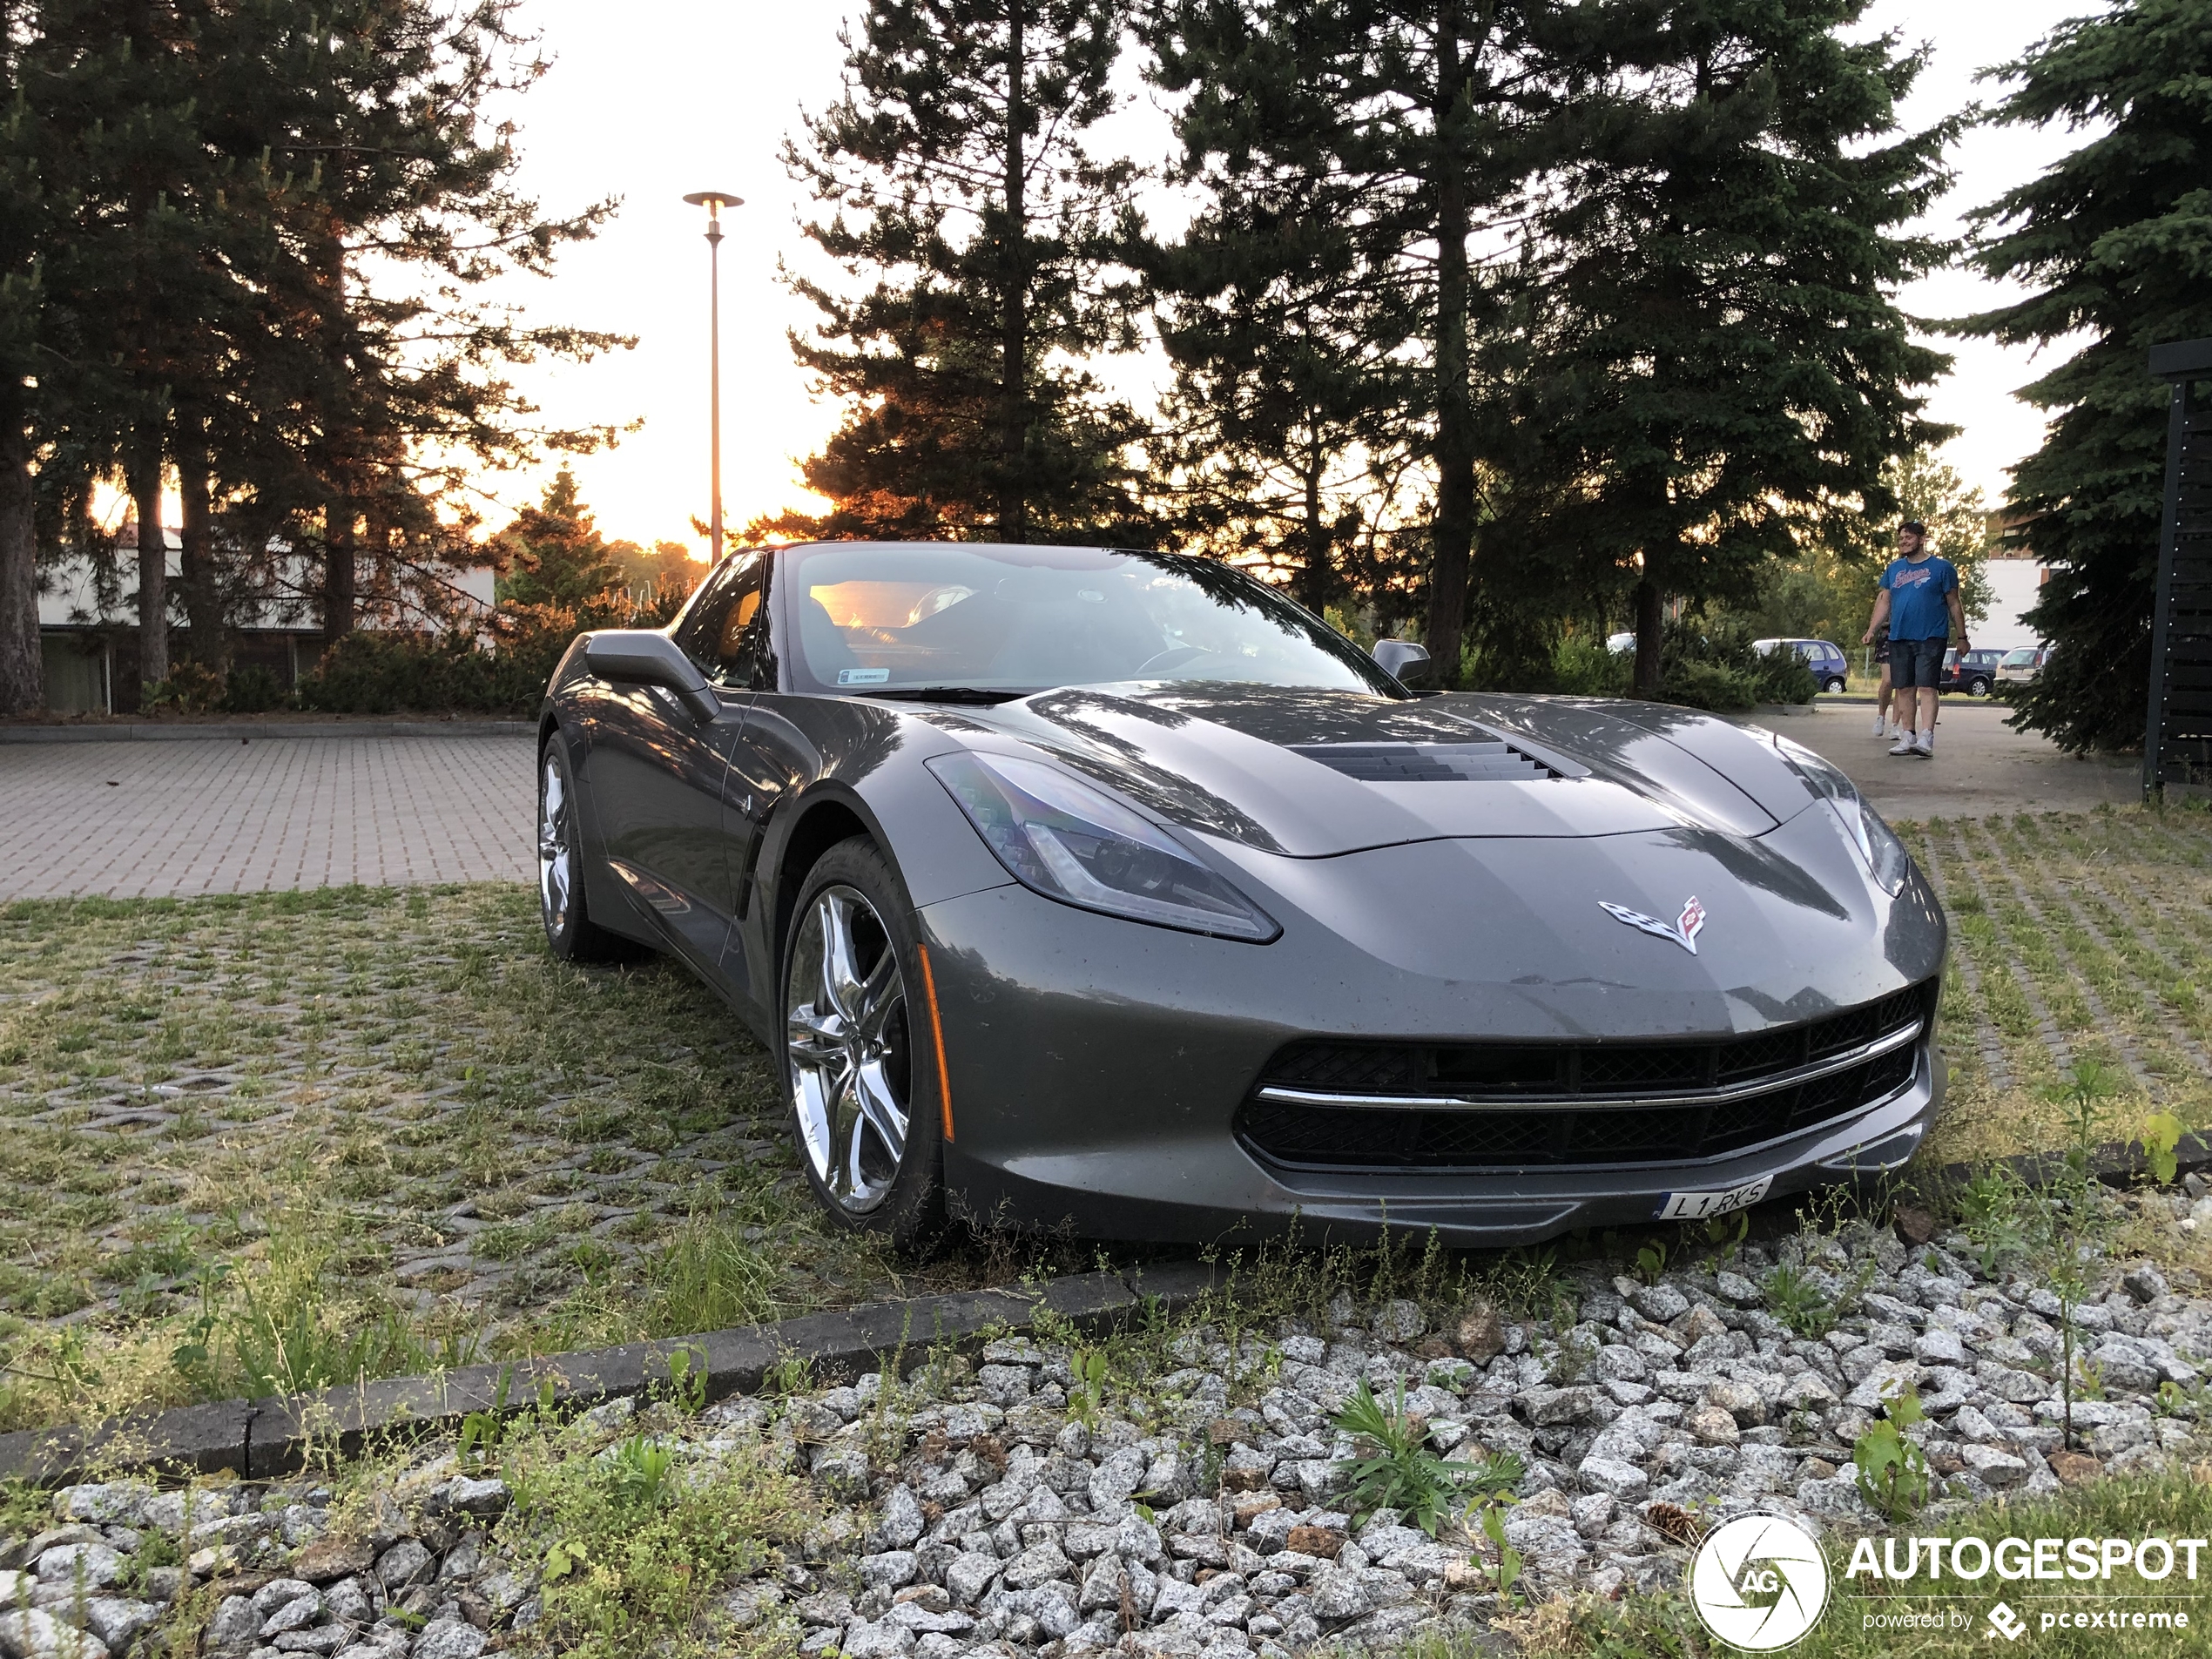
2177	736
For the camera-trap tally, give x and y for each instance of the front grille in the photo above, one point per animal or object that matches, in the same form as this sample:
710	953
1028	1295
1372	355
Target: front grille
1598	1103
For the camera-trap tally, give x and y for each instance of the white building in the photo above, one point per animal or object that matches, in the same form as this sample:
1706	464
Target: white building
91	650
2013	584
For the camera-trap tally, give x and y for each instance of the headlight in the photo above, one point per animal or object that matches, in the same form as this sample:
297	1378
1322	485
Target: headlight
1885	855
1060	836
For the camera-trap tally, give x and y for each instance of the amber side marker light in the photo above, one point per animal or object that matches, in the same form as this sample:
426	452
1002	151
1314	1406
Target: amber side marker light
937	1035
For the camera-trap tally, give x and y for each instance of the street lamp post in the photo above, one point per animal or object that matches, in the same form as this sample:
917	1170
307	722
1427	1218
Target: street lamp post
714	201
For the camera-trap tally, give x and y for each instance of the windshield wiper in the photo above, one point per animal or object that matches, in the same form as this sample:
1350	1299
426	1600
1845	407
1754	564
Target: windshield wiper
977	694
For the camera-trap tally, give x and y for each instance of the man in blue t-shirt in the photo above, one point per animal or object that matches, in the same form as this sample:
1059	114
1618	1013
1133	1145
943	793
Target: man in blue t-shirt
1919	604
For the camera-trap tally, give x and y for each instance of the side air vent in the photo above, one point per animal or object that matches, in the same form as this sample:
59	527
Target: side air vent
1425	763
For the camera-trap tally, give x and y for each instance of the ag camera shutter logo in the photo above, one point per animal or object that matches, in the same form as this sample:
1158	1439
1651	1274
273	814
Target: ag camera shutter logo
1759	1582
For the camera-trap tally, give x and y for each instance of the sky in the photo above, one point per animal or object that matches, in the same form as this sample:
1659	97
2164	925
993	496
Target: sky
653	99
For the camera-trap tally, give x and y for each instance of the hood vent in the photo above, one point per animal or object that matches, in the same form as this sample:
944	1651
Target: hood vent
1427	763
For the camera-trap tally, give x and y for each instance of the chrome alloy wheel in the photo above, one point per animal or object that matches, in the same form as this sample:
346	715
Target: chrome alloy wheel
846	1032
556	845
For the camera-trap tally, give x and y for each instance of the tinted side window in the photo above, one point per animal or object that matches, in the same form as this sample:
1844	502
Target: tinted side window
725	632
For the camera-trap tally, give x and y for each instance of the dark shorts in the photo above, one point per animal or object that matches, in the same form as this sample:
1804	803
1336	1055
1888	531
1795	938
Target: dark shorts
1917	662
1882	648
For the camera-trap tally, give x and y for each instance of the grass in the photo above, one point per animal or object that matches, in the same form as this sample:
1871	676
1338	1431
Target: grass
275	1141
638	1538
2075	937
1859	1624
254	1141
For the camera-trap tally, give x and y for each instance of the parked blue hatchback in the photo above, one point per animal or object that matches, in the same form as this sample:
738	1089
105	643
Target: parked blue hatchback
1823	658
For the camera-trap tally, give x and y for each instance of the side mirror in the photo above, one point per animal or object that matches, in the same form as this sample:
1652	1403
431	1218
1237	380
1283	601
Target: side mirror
1402	660
640	657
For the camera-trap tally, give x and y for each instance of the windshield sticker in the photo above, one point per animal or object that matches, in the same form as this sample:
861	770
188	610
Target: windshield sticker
862	676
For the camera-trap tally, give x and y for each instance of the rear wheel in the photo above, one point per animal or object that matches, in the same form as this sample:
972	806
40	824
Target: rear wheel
859	1053
1979	686
569	928
1833	685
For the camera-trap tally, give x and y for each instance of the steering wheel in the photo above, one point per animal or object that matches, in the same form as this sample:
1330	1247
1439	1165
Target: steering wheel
1173	655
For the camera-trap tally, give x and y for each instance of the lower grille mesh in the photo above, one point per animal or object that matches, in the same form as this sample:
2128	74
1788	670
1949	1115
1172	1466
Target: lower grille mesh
1428	1137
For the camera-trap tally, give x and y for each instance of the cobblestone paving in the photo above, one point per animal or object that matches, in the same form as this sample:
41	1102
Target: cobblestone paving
379	1104
170	820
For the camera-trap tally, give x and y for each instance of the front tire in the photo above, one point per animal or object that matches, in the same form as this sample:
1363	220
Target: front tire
1978	688
860	1066
569	931
1833	685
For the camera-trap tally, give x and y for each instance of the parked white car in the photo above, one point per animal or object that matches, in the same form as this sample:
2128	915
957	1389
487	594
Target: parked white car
2021	666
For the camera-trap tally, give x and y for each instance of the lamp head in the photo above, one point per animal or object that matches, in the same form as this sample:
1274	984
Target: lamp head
714	200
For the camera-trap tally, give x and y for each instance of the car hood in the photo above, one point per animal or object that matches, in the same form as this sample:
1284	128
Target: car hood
1314	774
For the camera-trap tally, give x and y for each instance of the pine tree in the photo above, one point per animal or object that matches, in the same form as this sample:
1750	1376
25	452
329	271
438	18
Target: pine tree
1280	440
1720	363
1413	128
2115	240
388	106
964	195
133	283
554	554
24	225
258	225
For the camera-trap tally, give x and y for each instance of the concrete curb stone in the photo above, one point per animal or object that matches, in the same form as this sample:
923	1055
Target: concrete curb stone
260	1439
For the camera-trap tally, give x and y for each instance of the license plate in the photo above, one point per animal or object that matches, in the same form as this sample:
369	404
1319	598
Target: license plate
1701	1207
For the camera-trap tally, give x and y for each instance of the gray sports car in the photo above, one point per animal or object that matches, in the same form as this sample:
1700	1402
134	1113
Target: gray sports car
1112	890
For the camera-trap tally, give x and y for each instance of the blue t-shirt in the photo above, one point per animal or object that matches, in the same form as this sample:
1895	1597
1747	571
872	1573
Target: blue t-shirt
1918	591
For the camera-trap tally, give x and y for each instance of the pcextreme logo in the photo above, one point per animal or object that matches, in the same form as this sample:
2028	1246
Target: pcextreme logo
1759	1582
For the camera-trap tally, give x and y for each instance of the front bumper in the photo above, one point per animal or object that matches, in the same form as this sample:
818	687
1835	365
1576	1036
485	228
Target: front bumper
1098	1066
1199	1193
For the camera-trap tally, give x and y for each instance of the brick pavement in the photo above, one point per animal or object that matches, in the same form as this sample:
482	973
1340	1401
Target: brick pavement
1981	764
172	820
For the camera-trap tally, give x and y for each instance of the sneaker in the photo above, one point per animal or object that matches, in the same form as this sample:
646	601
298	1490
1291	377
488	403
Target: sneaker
1881	728
1924	746
1905	746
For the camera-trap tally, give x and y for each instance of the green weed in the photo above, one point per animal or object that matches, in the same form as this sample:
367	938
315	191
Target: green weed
1892	1469
1393	1468
1507	1568
1799	1303
639	1472
1993	1213
2162	1140
1087	1400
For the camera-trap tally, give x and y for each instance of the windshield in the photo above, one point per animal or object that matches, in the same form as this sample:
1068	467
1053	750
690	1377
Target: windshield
874	617
2019	659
